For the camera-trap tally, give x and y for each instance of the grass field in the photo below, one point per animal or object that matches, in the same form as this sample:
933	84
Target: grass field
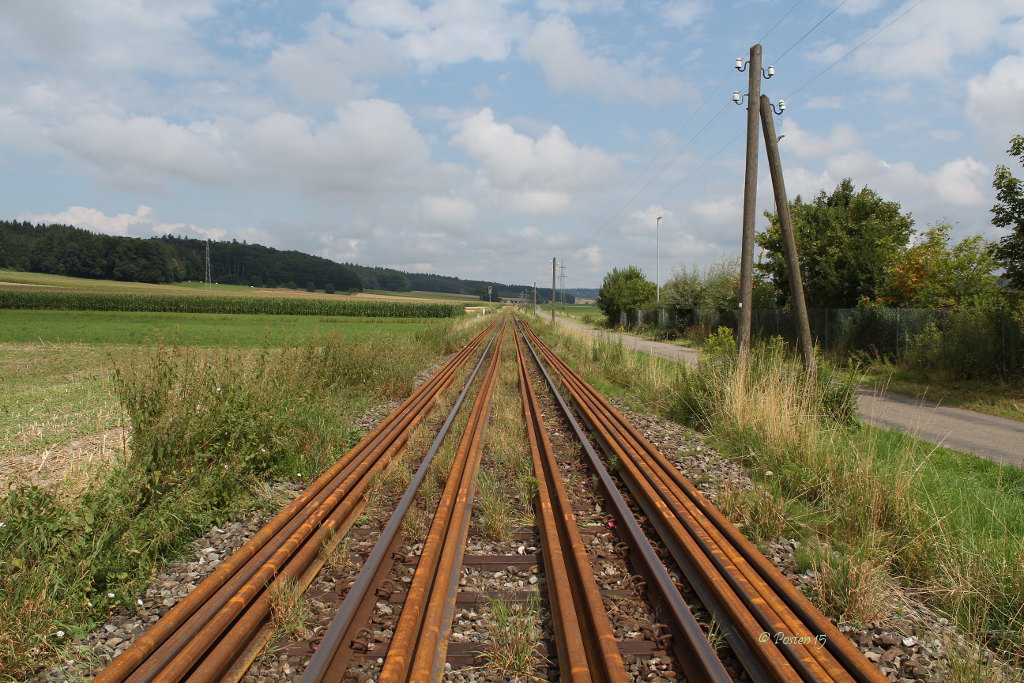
21	280
201	329
575	311
279	396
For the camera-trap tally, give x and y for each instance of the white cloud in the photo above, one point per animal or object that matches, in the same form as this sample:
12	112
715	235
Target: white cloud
682	13
334	62
579	6
255	40
543	167
825	102
108	35
143	223
995	100
445	32
957	183
370	146
447	212
806	144
558	48
140	151
928	41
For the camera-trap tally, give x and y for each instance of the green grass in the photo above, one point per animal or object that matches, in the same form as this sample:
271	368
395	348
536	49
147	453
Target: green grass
442	296
993	397
575	311
202	329
208	426
57	299
55	393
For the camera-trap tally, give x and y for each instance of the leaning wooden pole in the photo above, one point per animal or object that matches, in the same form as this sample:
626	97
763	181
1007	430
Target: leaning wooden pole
796	285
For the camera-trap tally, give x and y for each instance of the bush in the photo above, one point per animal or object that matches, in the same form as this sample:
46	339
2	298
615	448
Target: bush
329	288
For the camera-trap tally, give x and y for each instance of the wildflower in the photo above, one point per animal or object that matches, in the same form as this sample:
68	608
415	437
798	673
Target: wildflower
768	473
139	602
60	634
2	525
218	388
298	474
110	595
89	603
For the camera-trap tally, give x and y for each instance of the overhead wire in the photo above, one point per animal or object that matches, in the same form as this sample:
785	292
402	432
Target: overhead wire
859	46
809	31
607	220
776	24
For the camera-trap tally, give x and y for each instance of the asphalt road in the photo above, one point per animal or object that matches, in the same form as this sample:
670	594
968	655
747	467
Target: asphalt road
995	438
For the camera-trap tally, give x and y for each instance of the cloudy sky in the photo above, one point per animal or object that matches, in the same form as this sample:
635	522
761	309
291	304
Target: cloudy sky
481	138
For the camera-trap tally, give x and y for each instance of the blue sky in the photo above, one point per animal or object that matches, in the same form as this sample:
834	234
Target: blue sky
481	138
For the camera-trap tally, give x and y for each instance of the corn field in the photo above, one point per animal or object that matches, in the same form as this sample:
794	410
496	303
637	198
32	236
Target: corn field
148	303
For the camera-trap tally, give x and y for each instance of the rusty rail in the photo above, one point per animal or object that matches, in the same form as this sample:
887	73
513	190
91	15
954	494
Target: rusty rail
207	632
334	651
685	639
583	633
774	630
420	641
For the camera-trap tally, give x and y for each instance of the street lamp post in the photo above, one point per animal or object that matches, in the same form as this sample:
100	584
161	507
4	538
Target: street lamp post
657	260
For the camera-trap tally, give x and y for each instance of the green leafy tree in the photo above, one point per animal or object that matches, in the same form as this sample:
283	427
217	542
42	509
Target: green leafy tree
1009	213
625	289
717	287
932	273
310	287
847	242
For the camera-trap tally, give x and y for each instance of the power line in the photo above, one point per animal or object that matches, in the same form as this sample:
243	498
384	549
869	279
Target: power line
859	46
809	31
674	137
776	25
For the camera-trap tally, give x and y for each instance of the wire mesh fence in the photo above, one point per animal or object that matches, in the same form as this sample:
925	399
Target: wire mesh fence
963	342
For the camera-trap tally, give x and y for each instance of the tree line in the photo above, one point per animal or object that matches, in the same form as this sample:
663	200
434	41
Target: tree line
856	249
67	250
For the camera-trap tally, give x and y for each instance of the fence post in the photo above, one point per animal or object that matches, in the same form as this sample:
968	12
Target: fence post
1002	339
897	332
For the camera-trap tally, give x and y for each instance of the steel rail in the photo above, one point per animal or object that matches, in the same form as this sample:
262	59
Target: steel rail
734	601
586	645
687	641
179	628
416	646
333	654
675	506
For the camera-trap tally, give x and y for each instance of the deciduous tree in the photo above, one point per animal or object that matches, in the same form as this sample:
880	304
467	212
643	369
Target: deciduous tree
847	242
1009	213
624	289
931	273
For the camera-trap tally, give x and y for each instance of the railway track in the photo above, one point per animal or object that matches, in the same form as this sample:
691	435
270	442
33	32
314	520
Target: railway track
773	632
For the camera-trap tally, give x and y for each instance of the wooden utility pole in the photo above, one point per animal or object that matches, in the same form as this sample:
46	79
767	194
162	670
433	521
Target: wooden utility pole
554	295
535	296
749	203
796	286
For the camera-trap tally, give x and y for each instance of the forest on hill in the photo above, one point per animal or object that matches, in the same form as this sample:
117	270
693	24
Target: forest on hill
67	250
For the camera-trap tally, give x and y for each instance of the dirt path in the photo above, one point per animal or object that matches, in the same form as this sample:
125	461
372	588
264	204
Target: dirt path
998	439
